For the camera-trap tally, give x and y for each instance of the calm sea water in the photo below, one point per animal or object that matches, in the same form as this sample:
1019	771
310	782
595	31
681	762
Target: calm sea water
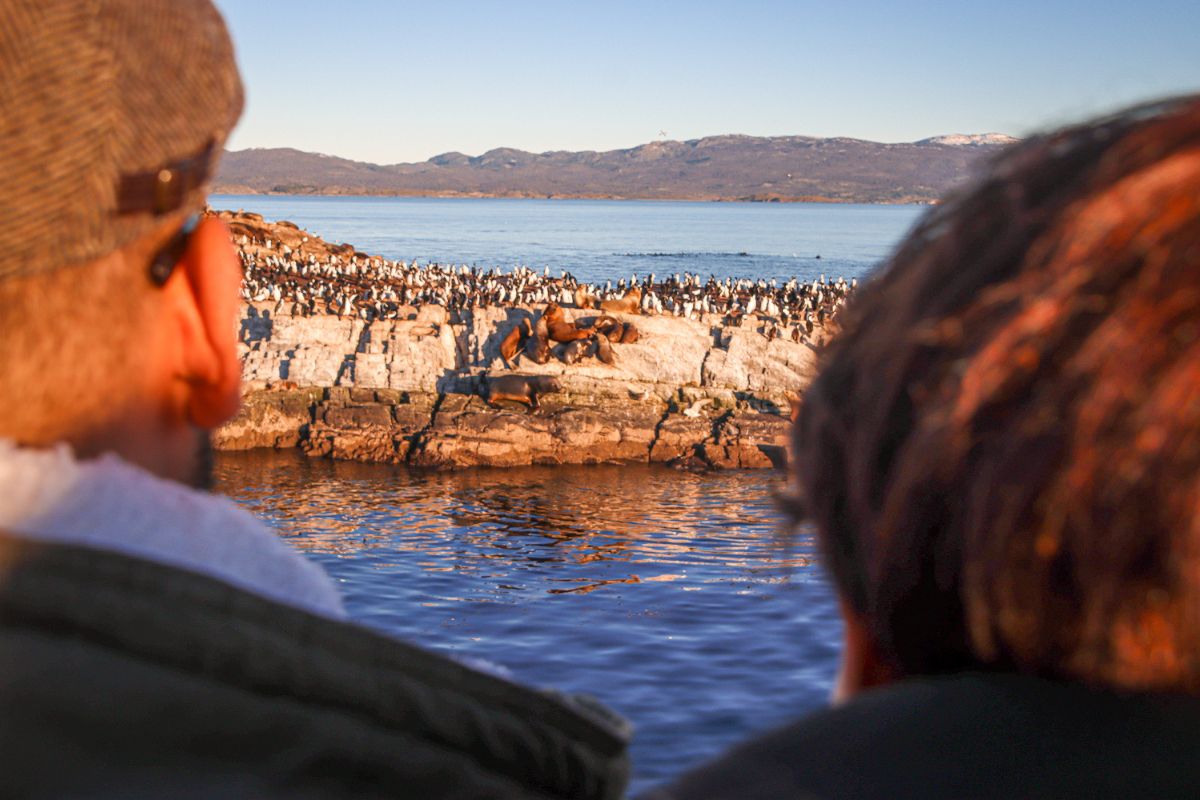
673	597
598	240
667	595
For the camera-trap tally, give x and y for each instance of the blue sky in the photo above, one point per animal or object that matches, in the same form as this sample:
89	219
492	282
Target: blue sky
398	81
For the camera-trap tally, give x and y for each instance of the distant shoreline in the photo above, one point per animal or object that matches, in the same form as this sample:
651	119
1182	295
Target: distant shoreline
244	191
753	169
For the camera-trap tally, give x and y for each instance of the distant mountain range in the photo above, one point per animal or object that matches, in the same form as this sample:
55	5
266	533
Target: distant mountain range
775	168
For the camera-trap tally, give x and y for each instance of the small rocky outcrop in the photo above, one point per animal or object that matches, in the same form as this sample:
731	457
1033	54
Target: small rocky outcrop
406	390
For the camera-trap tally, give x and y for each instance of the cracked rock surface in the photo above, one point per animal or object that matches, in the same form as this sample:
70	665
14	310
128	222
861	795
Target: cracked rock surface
690	393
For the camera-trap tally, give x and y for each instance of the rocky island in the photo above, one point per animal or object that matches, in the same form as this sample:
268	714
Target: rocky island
350	356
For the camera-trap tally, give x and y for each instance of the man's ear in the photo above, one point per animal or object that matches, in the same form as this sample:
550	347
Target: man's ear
206	284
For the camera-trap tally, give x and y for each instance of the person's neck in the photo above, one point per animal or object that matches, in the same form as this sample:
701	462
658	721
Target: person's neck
139	435
861	666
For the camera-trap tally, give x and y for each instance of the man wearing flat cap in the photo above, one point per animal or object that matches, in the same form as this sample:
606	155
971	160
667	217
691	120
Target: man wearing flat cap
155	639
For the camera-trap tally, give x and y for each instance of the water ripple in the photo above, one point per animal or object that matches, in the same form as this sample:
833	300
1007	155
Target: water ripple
671	596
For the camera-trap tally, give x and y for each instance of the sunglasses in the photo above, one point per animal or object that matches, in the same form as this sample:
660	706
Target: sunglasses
166	259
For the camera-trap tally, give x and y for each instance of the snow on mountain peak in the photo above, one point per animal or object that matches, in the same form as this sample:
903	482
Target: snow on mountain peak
969	139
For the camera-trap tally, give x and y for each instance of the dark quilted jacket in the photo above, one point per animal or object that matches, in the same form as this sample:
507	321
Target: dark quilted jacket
125	678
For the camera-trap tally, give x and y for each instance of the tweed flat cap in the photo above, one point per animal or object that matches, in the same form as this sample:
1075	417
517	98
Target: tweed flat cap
112	114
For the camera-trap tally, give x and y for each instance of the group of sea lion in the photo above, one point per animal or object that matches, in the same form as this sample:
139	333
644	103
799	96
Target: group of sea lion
578	340
531	338
534	338
617	331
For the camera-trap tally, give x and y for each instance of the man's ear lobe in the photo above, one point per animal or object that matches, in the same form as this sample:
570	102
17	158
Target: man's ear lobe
213	273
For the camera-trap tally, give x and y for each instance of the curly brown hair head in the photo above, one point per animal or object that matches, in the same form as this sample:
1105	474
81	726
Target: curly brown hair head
1001	452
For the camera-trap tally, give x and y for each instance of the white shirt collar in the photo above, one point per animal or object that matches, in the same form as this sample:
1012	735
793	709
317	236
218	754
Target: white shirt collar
107	503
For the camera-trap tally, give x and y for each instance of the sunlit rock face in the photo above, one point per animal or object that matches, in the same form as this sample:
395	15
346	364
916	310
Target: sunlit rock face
407	390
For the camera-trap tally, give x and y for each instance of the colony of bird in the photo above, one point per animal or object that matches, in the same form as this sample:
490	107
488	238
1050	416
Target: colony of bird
305	281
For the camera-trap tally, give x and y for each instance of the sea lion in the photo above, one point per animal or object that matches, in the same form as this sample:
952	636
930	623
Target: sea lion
511	344
537	341
604	350
559	330
522	389
631	303
583	299
606	325
630	334
574	351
